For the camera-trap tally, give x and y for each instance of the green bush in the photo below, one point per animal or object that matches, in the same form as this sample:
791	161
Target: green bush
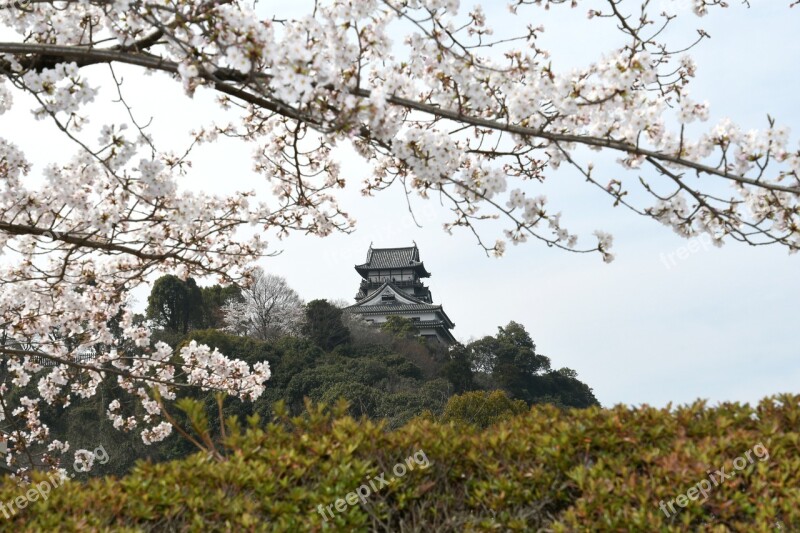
555	469
482	408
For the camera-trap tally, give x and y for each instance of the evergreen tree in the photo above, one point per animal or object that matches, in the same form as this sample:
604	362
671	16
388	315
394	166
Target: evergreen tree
323	325
510	359
175	305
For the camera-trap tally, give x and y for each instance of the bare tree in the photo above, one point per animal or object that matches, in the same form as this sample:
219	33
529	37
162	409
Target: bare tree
269	308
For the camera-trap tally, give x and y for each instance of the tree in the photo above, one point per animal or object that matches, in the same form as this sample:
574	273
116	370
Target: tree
457	370
399	327
175	305
448	111
563	388
323	325
269	308
517	355
363	333
512	347
510	359
215	298
294	76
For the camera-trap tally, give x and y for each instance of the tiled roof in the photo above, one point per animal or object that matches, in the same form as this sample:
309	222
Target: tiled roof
392	308
429	323
388	258
392	257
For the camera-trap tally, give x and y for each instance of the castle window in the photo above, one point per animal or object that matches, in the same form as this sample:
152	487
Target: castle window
387	297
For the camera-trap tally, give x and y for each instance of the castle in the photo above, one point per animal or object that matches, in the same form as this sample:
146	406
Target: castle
392	286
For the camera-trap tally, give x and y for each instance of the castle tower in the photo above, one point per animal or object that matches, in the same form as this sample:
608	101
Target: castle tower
392	285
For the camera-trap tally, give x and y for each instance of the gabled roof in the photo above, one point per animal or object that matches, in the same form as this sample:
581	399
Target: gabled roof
401	309
404	304
392	308
395	289
393	258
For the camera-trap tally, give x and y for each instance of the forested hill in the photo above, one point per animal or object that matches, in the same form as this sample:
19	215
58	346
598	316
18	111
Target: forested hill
319	352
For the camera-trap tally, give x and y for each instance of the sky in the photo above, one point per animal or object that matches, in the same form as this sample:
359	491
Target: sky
713	323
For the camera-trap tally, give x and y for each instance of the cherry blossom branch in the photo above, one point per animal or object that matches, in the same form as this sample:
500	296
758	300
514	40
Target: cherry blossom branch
85	57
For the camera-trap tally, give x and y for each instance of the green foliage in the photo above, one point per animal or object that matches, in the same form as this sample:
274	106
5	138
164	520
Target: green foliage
175	305
399	327
379	386
510	360
547	469
214	299
482	408
389	376
560	387
457	370
396	381
323	325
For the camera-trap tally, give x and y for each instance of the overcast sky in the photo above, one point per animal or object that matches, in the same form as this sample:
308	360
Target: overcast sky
720	324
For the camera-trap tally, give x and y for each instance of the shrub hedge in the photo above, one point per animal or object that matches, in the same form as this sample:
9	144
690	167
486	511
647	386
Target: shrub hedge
548	469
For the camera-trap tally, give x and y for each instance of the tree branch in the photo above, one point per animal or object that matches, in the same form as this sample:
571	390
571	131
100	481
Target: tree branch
90	56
